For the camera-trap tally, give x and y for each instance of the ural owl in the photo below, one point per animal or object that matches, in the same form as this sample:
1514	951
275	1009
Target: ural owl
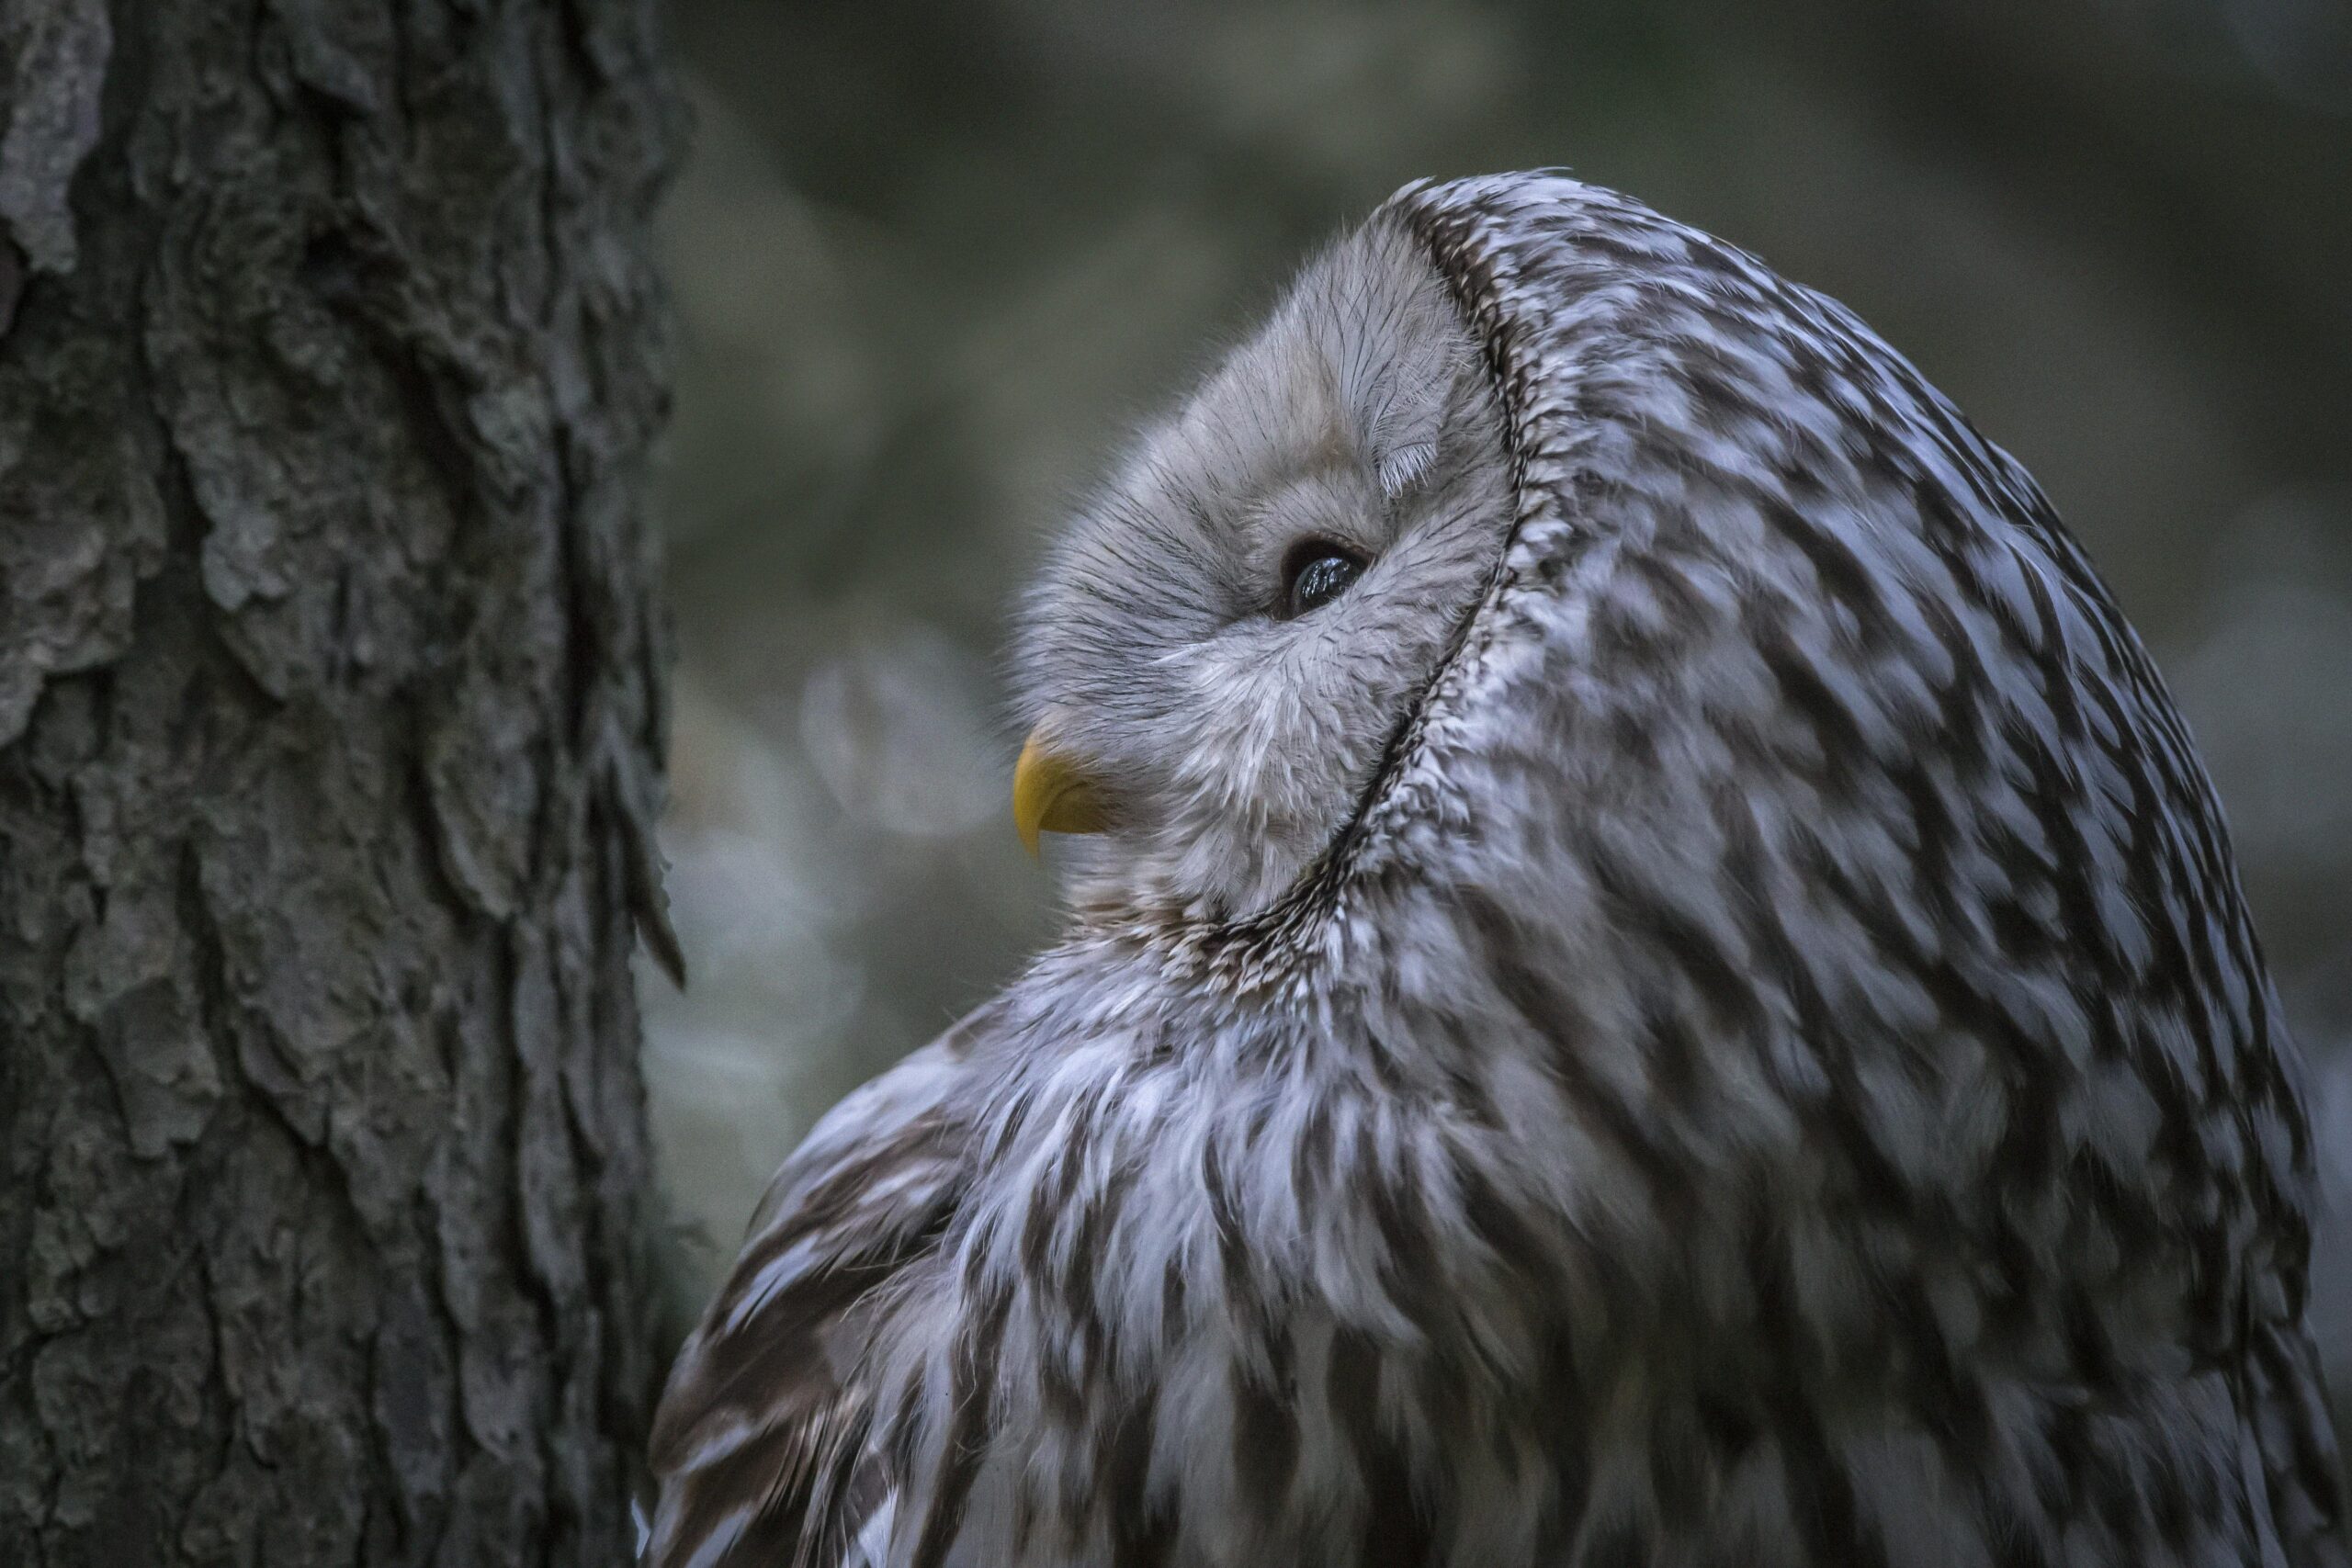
1653	979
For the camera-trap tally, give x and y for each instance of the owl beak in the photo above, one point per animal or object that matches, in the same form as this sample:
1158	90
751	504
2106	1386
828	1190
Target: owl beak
1051	795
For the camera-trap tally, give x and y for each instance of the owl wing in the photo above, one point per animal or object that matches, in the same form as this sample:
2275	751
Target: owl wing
2296	1444
760	1446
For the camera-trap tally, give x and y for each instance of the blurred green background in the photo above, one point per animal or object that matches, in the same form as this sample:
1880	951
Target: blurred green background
933	262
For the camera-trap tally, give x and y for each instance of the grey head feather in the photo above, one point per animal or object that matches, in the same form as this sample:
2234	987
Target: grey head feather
1154	648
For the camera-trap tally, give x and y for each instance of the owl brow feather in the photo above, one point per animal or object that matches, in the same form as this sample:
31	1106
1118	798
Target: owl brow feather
1110	542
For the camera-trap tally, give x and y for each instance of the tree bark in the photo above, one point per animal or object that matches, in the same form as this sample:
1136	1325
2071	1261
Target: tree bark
331	684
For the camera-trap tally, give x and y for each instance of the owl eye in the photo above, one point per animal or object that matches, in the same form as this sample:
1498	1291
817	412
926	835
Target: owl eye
1316	573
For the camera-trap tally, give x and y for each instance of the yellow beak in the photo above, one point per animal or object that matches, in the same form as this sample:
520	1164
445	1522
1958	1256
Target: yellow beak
1050	794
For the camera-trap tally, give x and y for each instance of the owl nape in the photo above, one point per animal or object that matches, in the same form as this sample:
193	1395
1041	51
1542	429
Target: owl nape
1651	977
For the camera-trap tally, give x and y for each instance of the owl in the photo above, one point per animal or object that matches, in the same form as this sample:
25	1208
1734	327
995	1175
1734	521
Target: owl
1652	978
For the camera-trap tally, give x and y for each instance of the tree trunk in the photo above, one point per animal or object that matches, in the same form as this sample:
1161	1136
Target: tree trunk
330	718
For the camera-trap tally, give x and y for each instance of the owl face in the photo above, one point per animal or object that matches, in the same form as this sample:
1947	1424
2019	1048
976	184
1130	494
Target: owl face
1220	647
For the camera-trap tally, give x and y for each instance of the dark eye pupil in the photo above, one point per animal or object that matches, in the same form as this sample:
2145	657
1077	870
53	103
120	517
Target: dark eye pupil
1319	574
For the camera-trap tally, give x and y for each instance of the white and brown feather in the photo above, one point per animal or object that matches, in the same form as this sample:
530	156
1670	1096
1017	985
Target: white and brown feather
763	1442
1766	1061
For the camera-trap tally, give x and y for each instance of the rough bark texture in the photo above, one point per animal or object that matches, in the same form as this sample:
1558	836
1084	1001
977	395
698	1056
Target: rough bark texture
330	708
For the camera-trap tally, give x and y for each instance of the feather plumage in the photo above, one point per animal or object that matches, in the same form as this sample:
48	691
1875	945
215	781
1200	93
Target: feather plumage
1760	1057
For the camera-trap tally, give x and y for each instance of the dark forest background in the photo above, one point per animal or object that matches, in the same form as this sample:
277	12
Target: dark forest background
931	262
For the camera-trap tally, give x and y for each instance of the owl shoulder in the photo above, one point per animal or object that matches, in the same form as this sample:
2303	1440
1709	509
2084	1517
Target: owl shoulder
760	1447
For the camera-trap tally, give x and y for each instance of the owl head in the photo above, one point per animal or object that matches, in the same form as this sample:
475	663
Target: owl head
1220	647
